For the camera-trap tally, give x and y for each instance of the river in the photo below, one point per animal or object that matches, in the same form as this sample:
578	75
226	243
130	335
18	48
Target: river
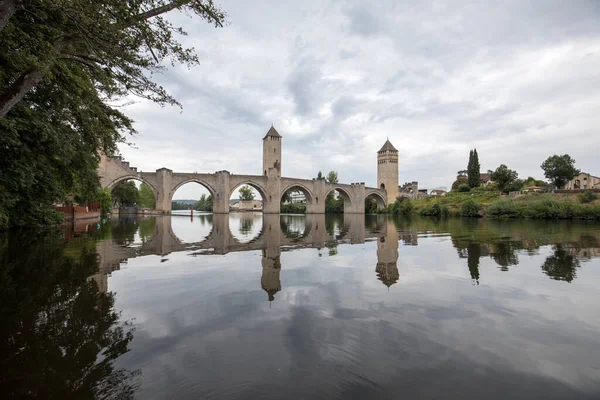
247	306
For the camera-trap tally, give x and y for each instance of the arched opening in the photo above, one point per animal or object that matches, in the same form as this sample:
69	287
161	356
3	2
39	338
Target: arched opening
131	195
382	186
191	208
294	227
247	197
337	201
294	200
373	202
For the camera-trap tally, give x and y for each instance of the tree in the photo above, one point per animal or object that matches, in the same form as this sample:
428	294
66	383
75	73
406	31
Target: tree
205	203
320	175
531	181
76	55
474	170
146	196
125	194
121	44
246	193
560	169
332	177
504	177
462	173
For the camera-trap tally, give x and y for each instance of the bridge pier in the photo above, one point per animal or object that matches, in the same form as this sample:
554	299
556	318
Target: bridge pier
164	180
221	197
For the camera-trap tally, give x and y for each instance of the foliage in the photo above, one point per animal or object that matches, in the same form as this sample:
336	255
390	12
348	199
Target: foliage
146	196
560	169
175	205
531	181
293	208
332	177
125	194
502	209
62	334
60	62
504	177
587	196
459	180
334	204
246	193
464	172
205	203
320	175
515	186
474	169
370	206
106	202
402	206
435	210
561	265
469	208
543	207
463	187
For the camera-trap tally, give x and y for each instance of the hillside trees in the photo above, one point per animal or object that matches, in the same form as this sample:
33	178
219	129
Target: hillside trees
560	169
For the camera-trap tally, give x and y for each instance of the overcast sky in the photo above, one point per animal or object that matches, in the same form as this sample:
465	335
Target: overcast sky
518	80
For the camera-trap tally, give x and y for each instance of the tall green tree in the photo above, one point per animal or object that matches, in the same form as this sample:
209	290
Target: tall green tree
320	175
125	194
146	196
332	177
474	170
246	193
205	203
560	169
504	177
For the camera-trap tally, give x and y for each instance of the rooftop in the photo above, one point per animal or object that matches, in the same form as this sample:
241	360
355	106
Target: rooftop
272	132
387	146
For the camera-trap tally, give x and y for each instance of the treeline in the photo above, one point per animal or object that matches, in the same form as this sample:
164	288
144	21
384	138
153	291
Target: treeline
60	61
126	194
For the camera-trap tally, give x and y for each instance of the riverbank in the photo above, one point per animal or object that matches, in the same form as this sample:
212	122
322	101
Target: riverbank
492	205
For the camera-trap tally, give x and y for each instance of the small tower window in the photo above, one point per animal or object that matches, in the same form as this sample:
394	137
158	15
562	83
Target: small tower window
274	150
382	186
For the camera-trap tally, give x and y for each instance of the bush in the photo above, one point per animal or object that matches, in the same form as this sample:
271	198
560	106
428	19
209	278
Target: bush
3	221
503	209
105	199
492	187
293	208
549	208
587	196
463	187
435	211
469	208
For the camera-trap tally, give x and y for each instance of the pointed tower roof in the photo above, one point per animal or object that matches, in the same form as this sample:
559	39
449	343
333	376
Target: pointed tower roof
272	132
387	146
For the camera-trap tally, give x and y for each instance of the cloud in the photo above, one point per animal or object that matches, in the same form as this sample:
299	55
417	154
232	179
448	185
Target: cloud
518	80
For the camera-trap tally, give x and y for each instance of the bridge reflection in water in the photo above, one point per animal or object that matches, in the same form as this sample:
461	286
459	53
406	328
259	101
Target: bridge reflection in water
277	234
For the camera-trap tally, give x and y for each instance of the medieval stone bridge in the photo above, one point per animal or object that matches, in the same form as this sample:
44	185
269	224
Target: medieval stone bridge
270	185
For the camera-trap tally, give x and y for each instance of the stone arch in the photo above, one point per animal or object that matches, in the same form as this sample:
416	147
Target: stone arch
381	203
210	189
306	191
345	195
112	184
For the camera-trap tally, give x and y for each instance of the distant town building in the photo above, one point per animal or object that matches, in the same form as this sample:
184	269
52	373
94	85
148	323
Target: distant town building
297	197
409	189
245	205
533	189
485	179
437	192
583	181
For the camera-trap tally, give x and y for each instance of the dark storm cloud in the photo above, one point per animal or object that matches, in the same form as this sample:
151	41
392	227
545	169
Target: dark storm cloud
336	79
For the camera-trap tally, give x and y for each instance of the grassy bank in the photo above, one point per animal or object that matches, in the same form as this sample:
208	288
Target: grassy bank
490	204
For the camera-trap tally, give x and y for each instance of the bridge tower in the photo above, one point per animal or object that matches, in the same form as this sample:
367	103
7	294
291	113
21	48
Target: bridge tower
272	154
387	170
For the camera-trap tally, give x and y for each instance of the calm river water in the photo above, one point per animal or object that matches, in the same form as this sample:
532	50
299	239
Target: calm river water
252	307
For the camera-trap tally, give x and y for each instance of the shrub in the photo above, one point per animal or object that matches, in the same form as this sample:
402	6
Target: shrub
435	210
587	196
463	187
3	221
406	207
492	187
503	209
293	208
549	208
469	208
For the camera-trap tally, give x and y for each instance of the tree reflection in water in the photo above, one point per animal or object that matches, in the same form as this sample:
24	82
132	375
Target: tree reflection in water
61	334
561	265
